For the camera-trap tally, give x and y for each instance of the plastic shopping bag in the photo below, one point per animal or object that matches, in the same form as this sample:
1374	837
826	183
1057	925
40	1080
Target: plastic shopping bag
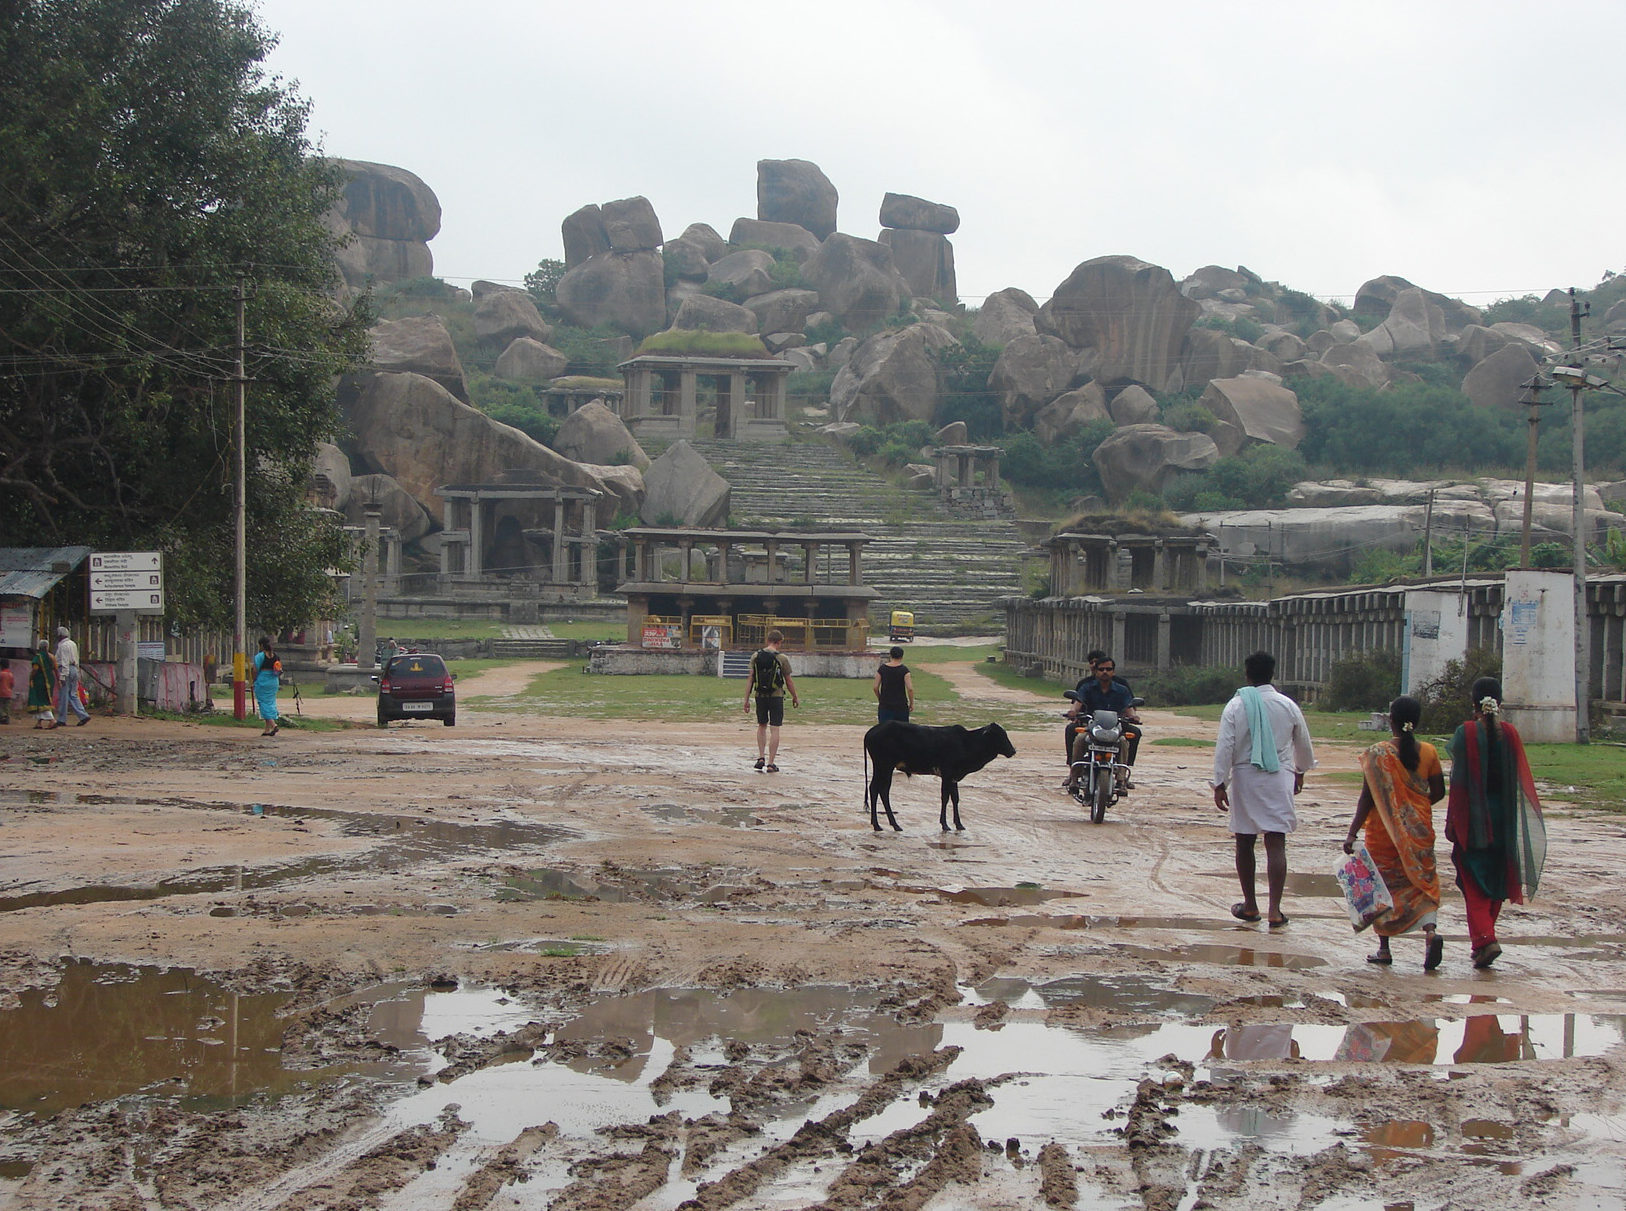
1366	898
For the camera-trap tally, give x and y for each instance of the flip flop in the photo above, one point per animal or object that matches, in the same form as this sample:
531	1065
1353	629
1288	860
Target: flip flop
1239	910
1279	923
1382	957
1435	953
1486	955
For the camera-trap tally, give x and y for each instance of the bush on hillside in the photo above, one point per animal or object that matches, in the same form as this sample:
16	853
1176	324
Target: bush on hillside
1189	685
1445	698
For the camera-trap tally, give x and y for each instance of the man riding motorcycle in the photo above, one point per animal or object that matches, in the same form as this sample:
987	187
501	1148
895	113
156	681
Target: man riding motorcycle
1104	693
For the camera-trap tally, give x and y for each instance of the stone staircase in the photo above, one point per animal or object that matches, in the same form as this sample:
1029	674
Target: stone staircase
950	571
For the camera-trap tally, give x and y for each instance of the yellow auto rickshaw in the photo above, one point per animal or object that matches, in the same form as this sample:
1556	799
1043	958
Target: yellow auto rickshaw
902	627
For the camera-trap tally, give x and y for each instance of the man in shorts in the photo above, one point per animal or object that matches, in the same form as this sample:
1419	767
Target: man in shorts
770	681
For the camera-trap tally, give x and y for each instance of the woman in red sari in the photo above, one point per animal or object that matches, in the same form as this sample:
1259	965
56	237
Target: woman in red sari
1403	782
1493	821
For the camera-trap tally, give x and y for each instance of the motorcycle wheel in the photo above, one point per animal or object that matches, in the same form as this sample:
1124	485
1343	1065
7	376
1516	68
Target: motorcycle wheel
1101	796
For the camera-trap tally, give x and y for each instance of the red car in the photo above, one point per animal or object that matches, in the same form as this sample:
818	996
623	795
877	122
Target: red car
416	685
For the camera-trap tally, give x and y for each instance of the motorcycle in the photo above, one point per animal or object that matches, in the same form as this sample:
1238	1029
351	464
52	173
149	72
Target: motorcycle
1095	780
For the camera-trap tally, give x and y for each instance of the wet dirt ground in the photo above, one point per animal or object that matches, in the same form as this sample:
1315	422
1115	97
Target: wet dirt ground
542	962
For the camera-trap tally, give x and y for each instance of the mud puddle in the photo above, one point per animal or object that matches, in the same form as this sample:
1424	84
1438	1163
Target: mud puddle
108	1031
1225	956
614	885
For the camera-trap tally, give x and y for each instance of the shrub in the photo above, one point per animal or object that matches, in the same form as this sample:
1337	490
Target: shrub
1445	698
1187	417
1363	681
1190	685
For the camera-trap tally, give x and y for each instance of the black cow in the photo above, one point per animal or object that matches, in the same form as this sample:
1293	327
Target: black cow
949	752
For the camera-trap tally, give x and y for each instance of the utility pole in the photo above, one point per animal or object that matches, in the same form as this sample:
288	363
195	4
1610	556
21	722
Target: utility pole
1532	398
239	661
1583	655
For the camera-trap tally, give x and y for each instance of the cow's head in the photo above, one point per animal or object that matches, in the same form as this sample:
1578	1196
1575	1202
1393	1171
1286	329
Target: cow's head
1000	741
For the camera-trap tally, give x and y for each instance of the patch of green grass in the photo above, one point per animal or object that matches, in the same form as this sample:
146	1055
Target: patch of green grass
1597	771
1335	727
223	718
1182	742
560	952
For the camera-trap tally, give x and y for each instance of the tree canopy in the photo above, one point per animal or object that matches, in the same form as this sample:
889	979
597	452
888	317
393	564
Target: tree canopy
150	165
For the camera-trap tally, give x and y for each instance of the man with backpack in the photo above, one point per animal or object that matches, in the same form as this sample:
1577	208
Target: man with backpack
770	680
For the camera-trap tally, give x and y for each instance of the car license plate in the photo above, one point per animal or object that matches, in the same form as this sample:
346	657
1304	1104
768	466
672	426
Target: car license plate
417	707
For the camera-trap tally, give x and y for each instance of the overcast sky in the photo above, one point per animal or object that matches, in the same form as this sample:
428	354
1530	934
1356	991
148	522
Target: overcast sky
1473	148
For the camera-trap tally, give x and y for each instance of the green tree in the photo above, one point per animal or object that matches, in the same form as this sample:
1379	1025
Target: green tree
150	163
543	283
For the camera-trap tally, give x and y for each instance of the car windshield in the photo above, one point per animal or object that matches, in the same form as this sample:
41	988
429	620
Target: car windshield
417	665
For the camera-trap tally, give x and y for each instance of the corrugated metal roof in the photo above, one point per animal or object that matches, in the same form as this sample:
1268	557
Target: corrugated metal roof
32	571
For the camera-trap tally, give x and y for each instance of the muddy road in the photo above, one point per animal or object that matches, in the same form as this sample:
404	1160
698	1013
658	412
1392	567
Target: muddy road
544	962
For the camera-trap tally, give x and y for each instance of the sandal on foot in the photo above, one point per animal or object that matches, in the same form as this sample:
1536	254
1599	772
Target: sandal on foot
1486	954
772	769
1279	922
1435	953
760	763
1382	957
1240	911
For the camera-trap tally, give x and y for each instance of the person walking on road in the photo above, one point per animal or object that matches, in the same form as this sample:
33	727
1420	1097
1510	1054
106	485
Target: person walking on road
894	689
1259	763
1402	782
770	682
267	681
67	680
1493	819
42	685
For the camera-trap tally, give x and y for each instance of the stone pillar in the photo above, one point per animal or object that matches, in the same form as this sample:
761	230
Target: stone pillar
774	388
737	392
1160	567
1119	622
1114	580
688	406
770	573
561	552
810	557
367	625
640	561
1162	643
474	563
855	567
589	556
392	561
449	512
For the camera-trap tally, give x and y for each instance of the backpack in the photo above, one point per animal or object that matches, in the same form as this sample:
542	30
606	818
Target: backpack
770	674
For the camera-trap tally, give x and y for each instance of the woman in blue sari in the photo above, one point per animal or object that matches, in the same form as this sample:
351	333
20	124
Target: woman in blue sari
267	681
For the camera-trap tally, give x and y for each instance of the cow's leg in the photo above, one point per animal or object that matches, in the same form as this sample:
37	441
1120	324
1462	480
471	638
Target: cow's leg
951	794
880	792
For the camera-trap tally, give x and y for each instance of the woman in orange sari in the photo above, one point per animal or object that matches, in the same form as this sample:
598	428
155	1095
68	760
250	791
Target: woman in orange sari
1403	782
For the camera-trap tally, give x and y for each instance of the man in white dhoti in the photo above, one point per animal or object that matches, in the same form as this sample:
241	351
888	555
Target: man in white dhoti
1262	753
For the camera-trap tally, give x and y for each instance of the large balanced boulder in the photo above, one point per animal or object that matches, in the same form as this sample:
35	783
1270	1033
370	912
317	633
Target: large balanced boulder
530	361
1498	379
626	290
1376	299
418	344
760	233
891	377
1252	410
1361	359
412	428
397	508
917	214
1068	415
631	226
782	310
1144	456
391	216
680	485
1414	325
856	280
1130	313
926	262
1030	372
1134	405
595	435
503	316
1209	354
584	235
706	313
796	191
685	259
1004	316
749	270
330	476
